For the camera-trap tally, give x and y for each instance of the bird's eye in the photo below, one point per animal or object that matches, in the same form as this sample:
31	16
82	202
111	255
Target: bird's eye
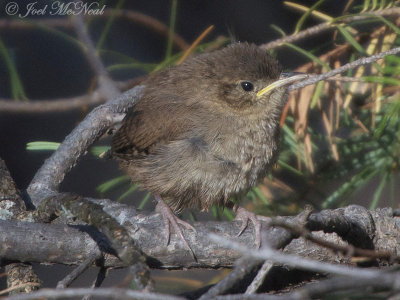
247	86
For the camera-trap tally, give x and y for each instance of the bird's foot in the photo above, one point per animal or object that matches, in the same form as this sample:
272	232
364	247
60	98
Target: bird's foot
245	216
171	220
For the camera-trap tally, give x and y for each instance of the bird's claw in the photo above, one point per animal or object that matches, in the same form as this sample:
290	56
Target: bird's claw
171	220
245	216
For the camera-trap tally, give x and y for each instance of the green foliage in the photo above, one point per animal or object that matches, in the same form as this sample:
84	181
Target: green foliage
112	184
108	25
42	146
131	189
350	39
309	55
52	146
172	21
304	17
367	138
17	89
99	150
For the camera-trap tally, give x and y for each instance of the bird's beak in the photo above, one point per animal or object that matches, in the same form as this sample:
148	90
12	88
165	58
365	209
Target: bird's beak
285	79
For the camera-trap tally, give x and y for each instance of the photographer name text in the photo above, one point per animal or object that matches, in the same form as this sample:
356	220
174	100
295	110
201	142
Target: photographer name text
57	8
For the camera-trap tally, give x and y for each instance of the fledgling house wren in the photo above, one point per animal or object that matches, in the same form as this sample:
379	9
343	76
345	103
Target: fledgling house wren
205	130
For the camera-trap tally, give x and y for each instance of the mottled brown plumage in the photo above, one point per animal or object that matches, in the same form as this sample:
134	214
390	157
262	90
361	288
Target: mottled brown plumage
199	134
196	137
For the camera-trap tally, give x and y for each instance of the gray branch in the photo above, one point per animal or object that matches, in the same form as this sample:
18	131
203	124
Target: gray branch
73	244
51	174
107	293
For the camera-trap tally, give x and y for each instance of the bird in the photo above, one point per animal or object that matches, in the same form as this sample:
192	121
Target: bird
205	131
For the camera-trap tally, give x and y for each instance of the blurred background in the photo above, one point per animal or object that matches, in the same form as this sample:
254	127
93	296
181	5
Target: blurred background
328	159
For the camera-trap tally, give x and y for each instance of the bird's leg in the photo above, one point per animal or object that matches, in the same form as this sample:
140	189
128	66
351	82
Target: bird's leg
244	215
170	219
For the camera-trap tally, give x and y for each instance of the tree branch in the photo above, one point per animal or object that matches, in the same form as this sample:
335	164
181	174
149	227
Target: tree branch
72	244
50	175
20	276
54	105
64	104
108	293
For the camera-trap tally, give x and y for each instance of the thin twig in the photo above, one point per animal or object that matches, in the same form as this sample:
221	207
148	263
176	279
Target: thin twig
259	279
195	43
325	26
344	68
295	261
67	280
64	104
357	120
345	249
298	36
54	105
20	287
345	79
328	287
267	266
99	280
275	237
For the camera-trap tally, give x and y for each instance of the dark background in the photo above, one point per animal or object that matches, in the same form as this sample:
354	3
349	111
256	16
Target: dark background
50	67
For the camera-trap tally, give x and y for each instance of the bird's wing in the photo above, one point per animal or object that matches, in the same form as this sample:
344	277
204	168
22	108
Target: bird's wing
149	125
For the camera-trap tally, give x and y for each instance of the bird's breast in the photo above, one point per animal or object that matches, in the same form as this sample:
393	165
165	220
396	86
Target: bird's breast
253	147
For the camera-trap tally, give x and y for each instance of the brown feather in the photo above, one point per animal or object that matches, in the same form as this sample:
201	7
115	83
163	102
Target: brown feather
195	137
